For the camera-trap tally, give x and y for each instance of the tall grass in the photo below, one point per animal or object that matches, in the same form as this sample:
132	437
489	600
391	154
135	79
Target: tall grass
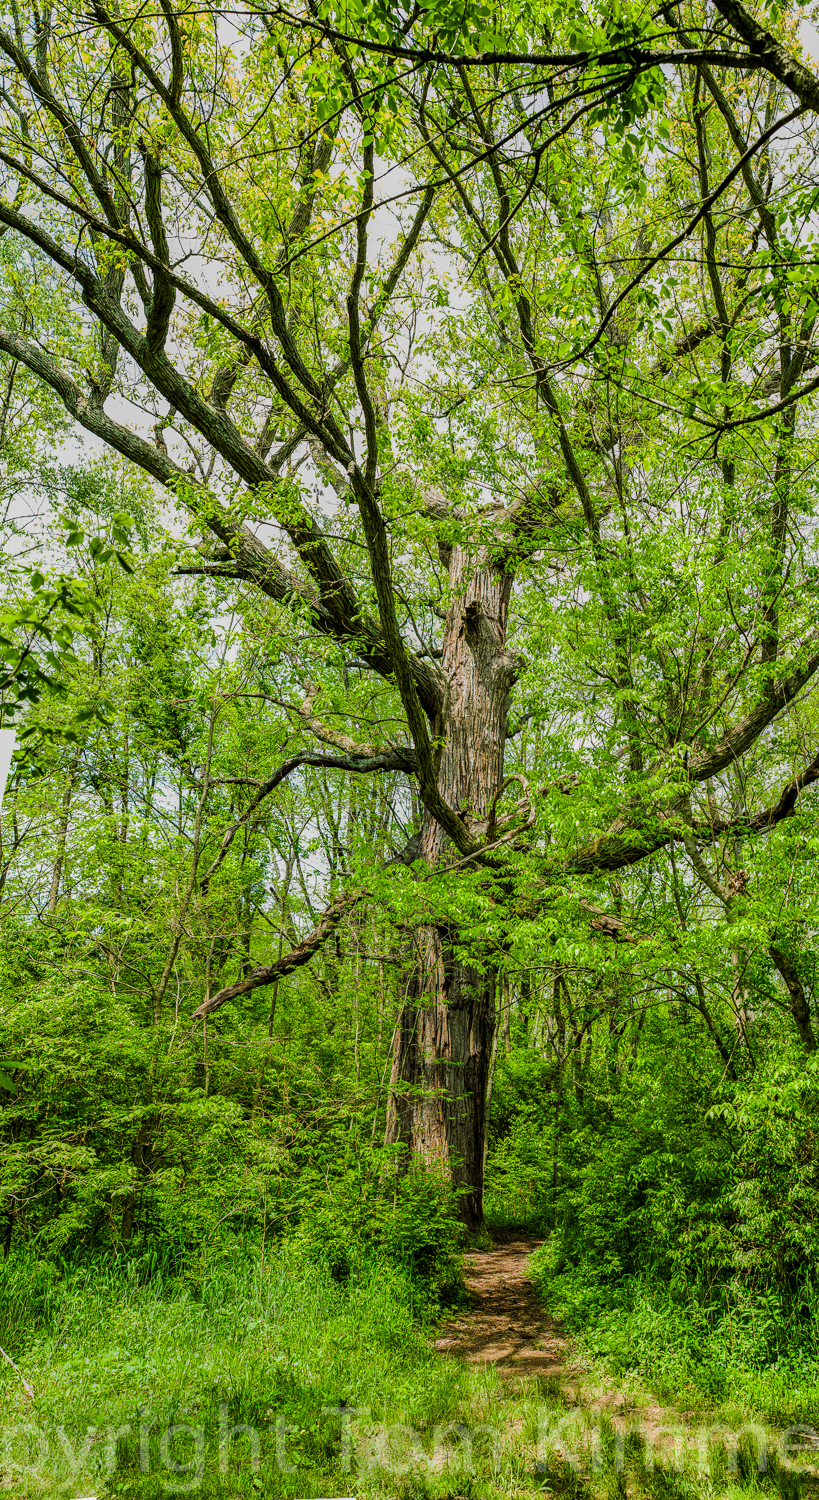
120	1352
738	1348
132	1346
27	1297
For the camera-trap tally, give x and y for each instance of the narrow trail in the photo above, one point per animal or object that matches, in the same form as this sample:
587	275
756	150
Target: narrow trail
506	1325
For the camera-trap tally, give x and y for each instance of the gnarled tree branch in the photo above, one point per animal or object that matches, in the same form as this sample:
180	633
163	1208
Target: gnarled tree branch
295	959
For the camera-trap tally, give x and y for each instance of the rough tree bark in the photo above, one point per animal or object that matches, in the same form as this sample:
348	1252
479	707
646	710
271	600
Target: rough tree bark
443	1040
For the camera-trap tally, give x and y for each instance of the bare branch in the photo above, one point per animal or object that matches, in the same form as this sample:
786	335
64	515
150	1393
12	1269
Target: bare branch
384	760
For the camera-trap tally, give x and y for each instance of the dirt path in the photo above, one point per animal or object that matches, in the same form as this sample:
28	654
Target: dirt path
506	1325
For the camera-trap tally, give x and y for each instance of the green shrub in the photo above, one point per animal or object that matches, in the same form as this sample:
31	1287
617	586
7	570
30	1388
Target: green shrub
408	1221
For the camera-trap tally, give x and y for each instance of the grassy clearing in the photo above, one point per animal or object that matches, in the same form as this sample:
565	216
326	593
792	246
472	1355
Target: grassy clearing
340	1393
132	1351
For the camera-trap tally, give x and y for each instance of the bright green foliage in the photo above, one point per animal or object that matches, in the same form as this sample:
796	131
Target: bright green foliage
158	1339
571	346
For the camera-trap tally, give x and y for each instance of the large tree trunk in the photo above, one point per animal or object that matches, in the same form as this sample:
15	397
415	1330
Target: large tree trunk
443	1040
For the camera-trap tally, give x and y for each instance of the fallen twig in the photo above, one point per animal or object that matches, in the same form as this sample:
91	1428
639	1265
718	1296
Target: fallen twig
18	1371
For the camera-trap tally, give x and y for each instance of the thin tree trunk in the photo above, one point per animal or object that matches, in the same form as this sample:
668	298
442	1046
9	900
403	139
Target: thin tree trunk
490	1083
62	837
800	1009
141	1168
179	927
740	997
560	1054
283	894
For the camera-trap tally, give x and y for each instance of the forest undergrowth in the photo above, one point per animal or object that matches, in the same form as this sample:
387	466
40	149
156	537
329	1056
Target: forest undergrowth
295	1296
242	1370
286	1282
737	1353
